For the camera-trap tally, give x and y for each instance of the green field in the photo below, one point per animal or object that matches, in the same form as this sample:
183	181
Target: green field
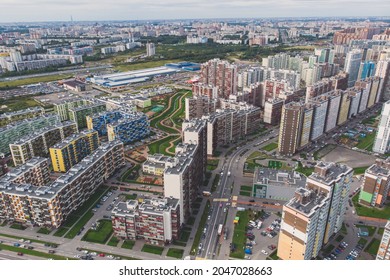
339	238
128	244
239	235
275	164
361	210
367	142
244	193
113	241
18	226
373	246
359	170
199	232
304	170
362	241
175	253
17	103
101	234
246	188
35	80
160	145
152	249
270	147
44	230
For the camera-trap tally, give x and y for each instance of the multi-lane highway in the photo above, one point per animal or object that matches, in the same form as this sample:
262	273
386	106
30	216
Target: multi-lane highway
229	172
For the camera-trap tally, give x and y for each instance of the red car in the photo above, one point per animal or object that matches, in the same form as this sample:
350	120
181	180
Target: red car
20	254
102	255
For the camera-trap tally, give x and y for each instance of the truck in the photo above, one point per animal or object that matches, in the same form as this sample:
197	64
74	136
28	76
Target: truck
220	228
206	193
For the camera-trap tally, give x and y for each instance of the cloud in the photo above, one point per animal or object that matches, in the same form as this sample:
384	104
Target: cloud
33	10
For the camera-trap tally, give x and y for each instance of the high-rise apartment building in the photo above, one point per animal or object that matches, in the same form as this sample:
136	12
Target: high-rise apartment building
383	71
37	143
28	113
382	138
27	196
157	221
13	132
150	49
315	213
290	128
73	149
129	128
221	74
366	70
79	114
184	179
199	106
384	247
376	184
352	65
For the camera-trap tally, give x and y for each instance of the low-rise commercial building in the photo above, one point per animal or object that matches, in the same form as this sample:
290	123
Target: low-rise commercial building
276	184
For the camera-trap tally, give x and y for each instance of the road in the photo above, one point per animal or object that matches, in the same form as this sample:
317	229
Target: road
72	71
227	186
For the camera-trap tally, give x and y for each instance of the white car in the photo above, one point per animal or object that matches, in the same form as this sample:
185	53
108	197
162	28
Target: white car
264	252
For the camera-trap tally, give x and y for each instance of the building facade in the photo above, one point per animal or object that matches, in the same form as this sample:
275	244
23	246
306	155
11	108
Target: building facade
73	149
382	138
157	221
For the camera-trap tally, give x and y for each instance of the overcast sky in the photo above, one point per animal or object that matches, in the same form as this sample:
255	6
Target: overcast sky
62	10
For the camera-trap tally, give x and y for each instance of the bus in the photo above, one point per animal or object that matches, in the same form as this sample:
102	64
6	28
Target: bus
206	193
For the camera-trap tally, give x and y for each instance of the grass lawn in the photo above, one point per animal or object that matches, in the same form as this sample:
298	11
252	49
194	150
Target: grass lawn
360	170
18	226
113	241
158	146
361	210
199	232
128	244
101	235
215	183
270	147
304	170
328	250
275	164
152	249
34	80
371	229
17	103
381	231
239	237
255	155
343	229
274	255
61	231
243	193
77	227
32	252
130	196
44	230
366	142
339	238
362	241
191	221
175	253
373	246
246	188
184	236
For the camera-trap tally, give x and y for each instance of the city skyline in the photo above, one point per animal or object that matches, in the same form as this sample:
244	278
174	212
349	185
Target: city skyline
86	10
